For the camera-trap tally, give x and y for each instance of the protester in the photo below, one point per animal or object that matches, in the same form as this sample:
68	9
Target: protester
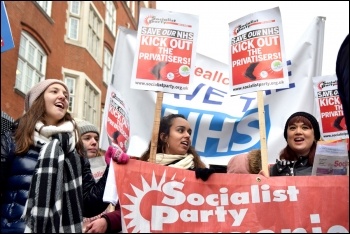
174	147
110	220
342	71
90	135
47	185
301	132
246	163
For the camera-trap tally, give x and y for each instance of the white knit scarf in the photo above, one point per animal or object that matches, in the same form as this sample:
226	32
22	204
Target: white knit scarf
55	198
174	160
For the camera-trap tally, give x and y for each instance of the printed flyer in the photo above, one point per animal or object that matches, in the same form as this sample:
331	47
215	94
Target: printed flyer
257	55
331	158
165	54
329	107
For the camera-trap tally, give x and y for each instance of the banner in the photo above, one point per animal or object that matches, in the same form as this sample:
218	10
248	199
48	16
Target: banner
257	56
222	125
156	198
329	107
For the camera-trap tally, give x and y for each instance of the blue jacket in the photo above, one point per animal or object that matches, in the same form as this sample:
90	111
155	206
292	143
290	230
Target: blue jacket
16	176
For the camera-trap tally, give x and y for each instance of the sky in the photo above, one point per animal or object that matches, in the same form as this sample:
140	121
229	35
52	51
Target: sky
214	17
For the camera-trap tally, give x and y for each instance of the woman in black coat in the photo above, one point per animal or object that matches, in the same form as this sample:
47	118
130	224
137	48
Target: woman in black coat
47	184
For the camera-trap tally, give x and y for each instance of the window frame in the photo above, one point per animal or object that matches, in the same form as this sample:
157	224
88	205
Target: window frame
107	65
48	6
29	70
111	16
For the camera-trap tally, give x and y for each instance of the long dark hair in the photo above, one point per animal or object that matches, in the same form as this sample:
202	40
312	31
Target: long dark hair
288	154
164	128
25	126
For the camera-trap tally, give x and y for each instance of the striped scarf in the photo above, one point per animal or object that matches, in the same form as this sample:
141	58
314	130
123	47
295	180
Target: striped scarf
55	199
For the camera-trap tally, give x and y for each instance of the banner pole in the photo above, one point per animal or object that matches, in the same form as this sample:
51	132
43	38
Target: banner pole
156	123
262	129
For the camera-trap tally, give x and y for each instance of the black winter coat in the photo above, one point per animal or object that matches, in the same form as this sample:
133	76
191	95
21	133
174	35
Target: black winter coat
16	176
300	167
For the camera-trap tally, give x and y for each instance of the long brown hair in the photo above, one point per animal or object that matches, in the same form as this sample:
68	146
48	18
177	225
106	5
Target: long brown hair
165	124
23	135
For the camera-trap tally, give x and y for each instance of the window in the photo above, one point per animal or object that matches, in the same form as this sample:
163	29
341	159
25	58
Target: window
111	17
75	7
107	66
74	20
84	28
131	5
90	104
70	82
46	6
31	64
84	96
94	34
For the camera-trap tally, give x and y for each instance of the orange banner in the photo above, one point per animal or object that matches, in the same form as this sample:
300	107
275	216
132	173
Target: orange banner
157	198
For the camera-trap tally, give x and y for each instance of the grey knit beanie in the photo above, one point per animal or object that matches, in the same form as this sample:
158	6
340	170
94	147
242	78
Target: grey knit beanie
85	126
312	120
38	89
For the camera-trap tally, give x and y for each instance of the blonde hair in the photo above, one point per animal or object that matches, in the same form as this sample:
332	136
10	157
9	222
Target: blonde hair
254	161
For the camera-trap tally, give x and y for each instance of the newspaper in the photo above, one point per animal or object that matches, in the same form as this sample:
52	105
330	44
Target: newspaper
331	158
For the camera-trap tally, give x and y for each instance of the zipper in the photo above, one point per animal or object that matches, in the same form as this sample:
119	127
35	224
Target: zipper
292	168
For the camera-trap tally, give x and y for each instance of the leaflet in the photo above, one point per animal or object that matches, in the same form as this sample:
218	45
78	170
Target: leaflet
331	158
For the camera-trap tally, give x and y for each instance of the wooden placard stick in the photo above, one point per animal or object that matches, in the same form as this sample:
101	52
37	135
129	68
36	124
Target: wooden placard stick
262	128
156	123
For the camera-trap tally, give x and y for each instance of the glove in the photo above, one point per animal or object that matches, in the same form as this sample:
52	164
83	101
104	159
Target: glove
117	155
108	155
123	158
204	173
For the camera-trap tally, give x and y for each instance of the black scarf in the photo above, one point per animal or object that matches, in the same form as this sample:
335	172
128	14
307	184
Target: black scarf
55	199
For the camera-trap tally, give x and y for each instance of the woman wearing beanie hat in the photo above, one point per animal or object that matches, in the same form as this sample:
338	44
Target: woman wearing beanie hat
110	219
90	136
301	132
47	184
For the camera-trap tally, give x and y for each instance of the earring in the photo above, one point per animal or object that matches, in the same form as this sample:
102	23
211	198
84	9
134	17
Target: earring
167	144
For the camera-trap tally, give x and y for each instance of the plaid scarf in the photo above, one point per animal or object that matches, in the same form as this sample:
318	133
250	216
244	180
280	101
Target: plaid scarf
55	199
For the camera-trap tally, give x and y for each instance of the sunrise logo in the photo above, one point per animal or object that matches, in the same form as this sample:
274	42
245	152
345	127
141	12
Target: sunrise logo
139	220
148	20
151	19
325	84
240	27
